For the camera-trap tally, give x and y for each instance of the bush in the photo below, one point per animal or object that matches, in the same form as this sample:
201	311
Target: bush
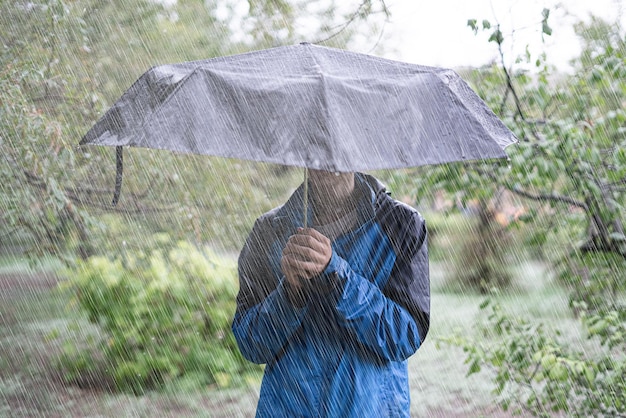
164	315
539	375
476	248
483	264
595	279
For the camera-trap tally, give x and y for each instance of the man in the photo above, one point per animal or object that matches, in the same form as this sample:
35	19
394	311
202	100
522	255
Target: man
334	309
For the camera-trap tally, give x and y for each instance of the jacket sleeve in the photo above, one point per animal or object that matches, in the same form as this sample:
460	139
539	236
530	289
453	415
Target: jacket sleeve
394	321
265	318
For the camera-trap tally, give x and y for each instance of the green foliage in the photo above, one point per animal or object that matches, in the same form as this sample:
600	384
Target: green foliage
63	63
569	161
35	210
538	375
594	279
164	315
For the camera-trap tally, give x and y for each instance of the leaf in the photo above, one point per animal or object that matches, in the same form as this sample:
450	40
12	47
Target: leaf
472	24
545	28
496	36
558	372
590	375
474	367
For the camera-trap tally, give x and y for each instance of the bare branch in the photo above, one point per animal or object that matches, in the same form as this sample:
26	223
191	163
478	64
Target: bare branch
509	84
9	233
138	209
98	191
549	197
540	197
511	88
504	99
351	19
75	198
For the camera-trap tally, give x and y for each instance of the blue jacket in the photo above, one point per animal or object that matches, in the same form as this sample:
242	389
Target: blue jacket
342	351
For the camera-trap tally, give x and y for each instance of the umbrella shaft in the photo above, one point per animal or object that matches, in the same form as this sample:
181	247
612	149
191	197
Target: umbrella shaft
305	198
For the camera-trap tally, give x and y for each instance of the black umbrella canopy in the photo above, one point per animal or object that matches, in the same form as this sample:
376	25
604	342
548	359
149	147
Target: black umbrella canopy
309	106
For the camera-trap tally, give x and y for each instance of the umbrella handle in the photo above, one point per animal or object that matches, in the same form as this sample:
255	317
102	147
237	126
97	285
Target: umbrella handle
305	198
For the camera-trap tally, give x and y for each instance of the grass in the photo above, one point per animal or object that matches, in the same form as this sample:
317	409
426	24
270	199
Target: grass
31	317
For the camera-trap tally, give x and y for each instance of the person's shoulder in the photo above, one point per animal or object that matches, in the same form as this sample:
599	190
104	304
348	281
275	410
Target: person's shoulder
270	214
404	225
386	205
398	209
275	220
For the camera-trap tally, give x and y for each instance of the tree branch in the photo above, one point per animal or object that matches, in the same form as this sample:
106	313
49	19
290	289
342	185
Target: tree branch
95	191
351	19
138	209
509	84
549	197
75	198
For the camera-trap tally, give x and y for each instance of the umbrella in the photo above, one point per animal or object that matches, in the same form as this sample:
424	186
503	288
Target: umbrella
305	105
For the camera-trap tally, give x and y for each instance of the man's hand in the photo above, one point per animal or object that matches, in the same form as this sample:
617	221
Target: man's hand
306	255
